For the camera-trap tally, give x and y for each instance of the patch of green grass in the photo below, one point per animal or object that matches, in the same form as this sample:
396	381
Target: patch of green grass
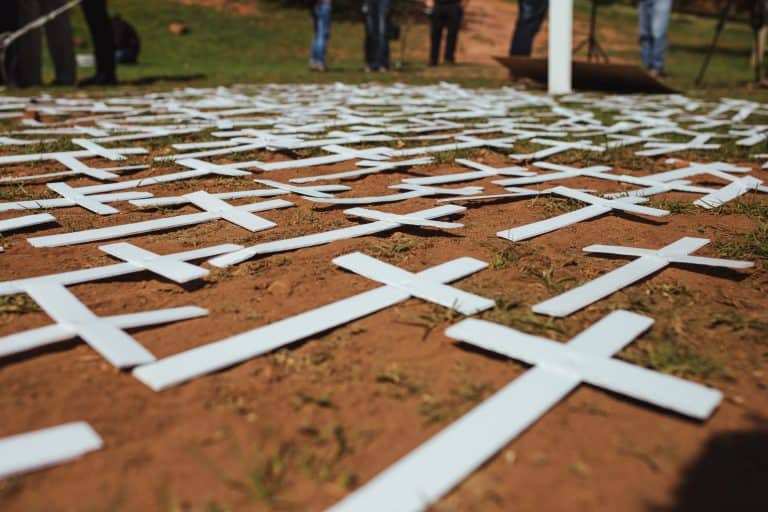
752	208
745	246
18	304
20	192
266	478
675	206
514	313
437	315
547	276
668	354
738	323
504	258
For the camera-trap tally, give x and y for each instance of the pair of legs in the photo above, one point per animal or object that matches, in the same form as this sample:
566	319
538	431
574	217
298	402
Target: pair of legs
58	35
653	18
445	16
529	19
100	26
377	34
321	15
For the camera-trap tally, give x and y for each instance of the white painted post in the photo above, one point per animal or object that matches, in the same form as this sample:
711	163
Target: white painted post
560	46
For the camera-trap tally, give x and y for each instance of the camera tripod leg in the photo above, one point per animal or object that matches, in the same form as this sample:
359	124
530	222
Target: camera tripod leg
713	46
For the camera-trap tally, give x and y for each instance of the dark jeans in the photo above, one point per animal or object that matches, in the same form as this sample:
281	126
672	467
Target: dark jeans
529	19
445	16
100	27
377	33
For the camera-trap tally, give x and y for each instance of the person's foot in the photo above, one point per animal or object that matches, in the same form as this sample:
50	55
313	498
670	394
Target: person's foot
383	70
317	66
98	79
450	62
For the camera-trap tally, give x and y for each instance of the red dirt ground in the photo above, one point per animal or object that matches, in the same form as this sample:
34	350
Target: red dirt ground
297	429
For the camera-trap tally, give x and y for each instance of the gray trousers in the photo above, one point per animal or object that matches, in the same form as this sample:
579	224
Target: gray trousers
58	34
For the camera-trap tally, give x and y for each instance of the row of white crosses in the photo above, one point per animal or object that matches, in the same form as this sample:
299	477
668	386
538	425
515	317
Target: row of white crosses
46	447
416	489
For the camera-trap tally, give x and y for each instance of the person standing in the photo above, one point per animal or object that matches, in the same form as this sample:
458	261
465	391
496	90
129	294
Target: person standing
100	26
530	16
58	35
377	34
445	15
9	22
653	22
321	16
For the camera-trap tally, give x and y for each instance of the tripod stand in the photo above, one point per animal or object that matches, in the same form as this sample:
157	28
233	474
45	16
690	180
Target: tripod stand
713	46
595	51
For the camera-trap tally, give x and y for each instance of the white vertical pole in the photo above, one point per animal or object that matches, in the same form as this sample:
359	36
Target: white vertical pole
560	45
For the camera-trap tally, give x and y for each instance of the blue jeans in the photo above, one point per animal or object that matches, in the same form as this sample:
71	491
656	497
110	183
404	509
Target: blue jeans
321	14
377	33
653	17
530	15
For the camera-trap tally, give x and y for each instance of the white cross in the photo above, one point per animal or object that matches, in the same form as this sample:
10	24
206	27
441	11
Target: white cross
736	188
695	169
302	191
382	222
72	197
25	222
752	136
400	286
157	202
420	478
620	140
483	171
99	150
556	147
562	172
649	261
200	168
370	167
413	191
597	206
663	148
73	318
85	153
339	154
140	261
514	193
215	209
11	141
76	167
38	449
653	187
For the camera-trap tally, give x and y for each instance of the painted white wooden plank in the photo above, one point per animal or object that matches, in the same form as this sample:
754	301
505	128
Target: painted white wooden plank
447	296
597	289
215	356
42	336
116	270
337	234
666	391
26	221
112	343
166	266
47	447
420	478
137	228
552	224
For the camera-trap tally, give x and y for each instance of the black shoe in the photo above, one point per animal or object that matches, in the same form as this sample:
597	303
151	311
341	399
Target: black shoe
98	79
